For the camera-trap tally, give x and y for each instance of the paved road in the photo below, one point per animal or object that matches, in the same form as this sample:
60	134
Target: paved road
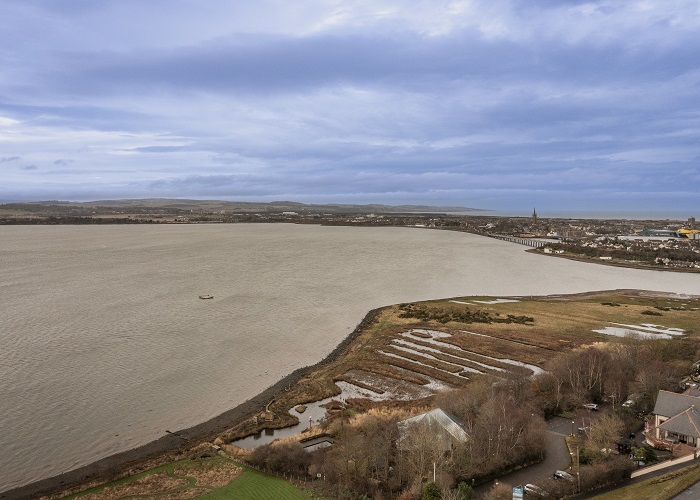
557	458
692	493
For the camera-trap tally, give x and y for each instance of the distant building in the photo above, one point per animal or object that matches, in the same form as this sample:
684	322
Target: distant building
534	216
660	232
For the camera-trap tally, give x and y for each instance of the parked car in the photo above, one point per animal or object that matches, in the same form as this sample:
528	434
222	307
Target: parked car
563	475
584	430
628	404
591	406
534	490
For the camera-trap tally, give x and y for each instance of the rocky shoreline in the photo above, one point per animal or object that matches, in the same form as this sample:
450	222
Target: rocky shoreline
117	466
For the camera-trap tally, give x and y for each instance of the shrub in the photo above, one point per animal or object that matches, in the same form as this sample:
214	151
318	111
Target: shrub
611	471
431	492
465	492
287	458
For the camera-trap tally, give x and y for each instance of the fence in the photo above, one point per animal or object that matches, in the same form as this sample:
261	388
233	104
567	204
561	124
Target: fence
663	465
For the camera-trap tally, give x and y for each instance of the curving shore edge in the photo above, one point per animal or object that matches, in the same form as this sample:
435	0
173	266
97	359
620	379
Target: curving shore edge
115	466
164	449
626	265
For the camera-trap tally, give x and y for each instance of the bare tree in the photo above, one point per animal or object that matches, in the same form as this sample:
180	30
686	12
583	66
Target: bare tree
652	376
606	431
424	450
580	374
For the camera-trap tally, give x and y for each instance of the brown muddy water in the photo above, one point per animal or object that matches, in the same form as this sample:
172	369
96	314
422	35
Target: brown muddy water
106	344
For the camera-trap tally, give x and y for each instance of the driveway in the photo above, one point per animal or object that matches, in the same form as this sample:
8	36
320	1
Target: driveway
557	458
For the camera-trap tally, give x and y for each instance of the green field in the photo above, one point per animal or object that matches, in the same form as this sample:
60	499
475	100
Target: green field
254	485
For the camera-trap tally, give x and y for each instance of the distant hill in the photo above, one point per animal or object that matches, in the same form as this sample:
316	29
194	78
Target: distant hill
240	206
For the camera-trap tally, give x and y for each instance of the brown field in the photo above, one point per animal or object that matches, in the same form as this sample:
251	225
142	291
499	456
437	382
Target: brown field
215	474
175	481
388	350
149	485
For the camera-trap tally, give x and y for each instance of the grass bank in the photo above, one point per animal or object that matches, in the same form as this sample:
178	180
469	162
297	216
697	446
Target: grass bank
210	478
659	488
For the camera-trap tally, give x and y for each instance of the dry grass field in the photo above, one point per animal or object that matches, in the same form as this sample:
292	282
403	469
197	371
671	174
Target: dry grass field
215	478
153	484
407	358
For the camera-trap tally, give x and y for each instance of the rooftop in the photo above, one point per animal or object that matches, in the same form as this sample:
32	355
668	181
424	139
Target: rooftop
440	419
687	423
670	404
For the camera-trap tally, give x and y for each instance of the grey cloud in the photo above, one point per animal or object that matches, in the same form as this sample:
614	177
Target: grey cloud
218	185
405	60
99	114
160	149
30	167
374	114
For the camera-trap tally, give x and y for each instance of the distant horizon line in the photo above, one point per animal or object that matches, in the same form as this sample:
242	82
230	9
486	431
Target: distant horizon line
673	214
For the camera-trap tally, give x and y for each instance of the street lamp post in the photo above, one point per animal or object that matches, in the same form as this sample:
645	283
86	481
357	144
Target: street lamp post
578	470
573	422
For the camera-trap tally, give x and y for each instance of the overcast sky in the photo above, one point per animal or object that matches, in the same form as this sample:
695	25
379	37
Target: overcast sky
499	104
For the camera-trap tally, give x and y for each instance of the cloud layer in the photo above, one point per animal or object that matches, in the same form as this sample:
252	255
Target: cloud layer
567	105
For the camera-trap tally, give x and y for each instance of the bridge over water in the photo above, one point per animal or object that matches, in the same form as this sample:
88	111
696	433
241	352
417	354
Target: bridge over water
530	242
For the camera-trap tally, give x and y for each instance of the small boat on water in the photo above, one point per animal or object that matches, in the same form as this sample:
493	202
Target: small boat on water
206	296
